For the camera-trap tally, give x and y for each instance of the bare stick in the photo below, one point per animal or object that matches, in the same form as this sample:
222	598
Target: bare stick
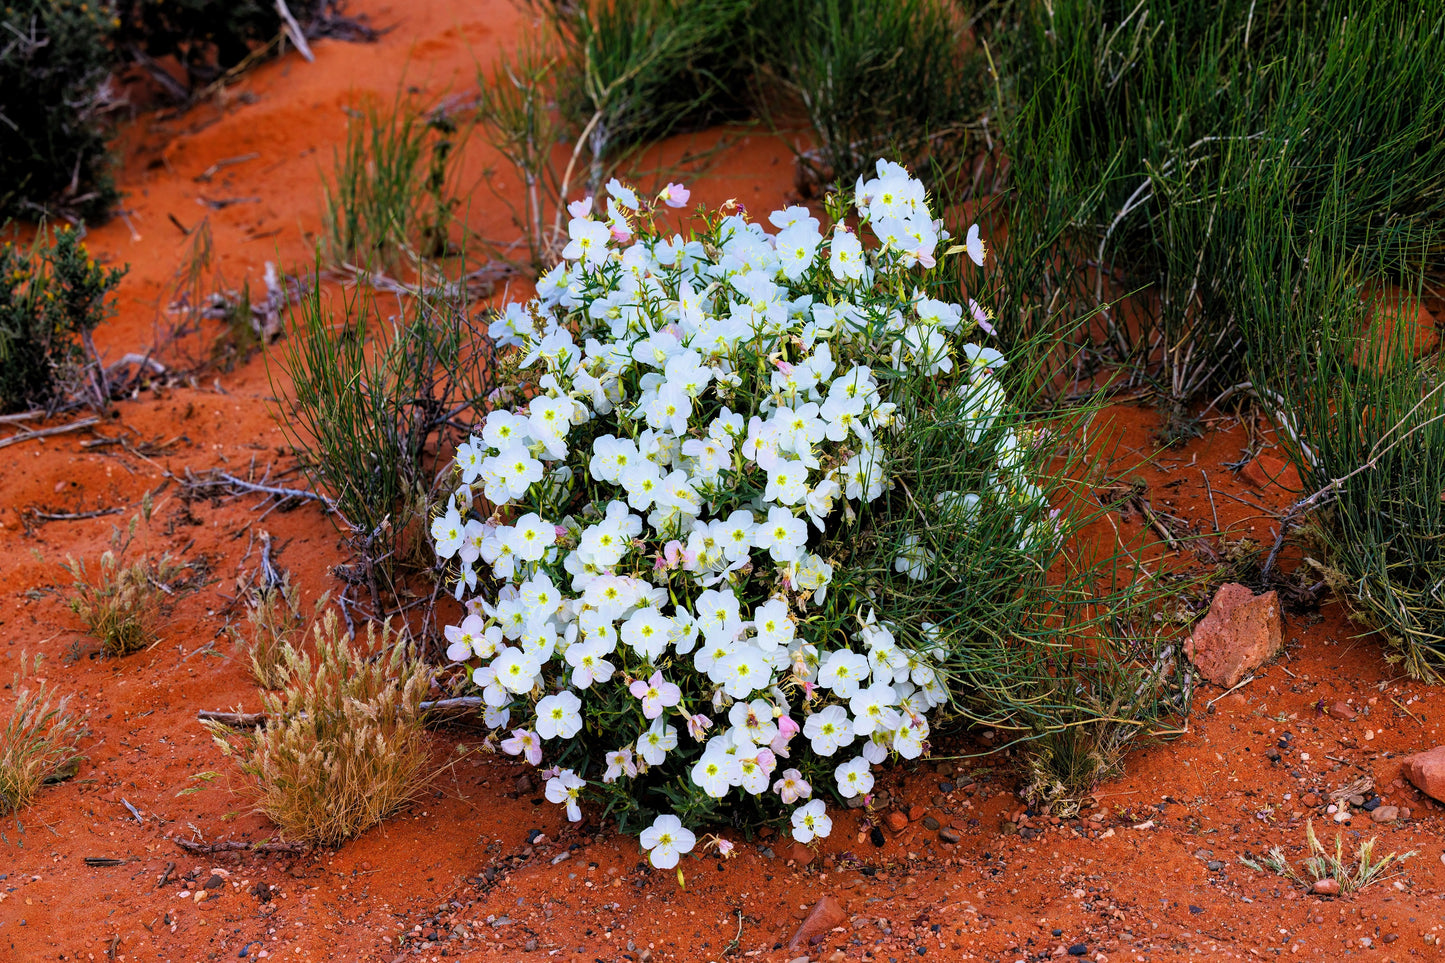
1212	510
22	416
133	811
47	432
236	720
235	846
460	702
72	516
294	32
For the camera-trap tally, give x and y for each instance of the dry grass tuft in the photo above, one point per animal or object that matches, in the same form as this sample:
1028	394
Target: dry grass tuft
344	747
1321	864
37	743
123	608
275	617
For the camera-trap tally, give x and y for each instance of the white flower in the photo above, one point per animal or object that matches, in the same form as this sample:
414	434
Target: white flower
625	195
589	663
829	730
845	259
811	821
873	709
843	671
716	771
975	246
913	559
783	535
524	742
588	242
666	840
446	531
516	670
566	787
654	744
855	778
531	537
619	761
559	716
647	631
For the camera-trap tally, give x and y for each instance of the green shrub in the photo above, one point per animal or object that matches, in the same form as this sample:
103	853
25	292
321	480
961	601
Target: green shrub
372	406
392	198
1360	414
55	58
51	298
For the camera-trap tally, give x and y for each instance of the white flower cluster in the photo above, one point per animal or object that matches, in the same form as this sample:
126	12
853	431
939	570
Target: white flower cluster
700	409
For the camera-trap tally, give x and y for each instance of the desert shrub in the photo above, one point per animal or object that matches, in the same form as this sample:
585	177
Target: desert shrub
1151	127
52	296
206	37
37	744
637	71
391	199
343	746
371	402
55	59
706	535
871	77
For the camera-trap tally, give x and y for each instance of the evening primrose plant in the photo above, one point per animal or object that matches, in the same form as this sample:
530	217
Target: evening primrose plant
644	530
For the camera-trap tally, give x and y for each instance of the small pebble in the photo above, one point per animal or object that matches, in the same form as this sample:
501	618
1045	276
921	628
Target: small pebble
930	823
1078	949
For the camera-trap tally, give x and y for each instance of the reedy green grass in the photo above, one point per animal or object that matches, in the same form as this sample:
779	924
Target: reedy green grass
889	78
1062	645
373	396
392	198
1157	122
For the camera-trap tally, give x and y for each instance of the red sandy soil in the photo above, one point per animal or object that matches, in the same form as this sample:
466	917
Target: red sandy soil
463	873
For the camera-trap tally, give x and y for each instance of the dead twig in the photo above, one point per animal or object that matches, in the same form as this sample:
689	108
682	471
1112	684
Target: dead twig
72	516
133	811
236	720
48	432
236	846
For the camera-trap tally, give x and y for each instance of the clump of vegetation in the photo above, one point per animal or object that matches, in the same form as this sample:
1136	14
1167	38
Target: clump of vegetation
343	746
373	405
122	608
1321	864
1150	131
52	296
392	199
38	743
207	38
896	78
275	617
55	61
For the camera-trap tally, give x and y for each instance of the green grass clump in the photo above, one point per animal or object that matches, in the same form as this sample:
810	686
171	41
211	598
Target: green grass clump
391	201
343	746
873	78
122	607
52	296
373	398
1148	129
37	743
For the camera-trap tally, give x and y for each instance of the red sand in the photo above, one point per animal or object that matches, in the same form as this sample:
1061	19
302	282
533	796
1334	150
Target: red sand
455	876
